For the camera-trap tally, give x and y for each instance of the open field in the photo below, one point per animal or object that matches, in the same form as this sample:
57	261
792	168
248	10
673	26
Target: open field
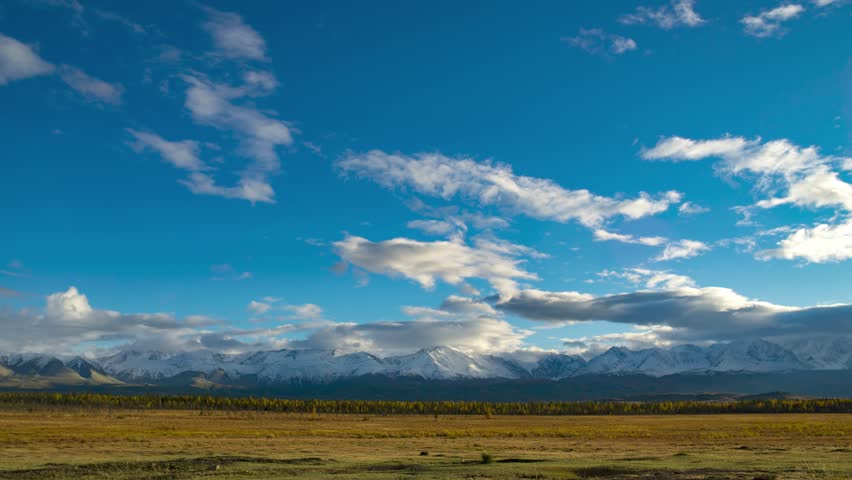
184	444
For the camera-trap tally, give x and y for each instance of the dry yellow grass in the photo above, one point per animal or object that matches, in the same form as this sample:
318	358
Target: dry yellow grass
744	446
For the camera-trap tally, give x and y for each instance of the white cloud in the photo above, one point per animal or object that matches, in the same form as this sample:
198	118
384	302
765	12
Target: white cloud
622	44
68	320
820	187
232	37
477	335
308	311
496	185
90	87
679	148
825	3
674	249
434	227
258	307
680	13
790	175
679	312
650	278
69	323
426	262
689	208
683	249
18	61
768	22
821	243
641	337
598	42
213	104
181	154
603	235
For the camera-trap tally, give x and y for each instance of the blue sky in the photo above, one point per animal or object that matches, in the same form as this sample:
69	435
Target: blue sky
501	176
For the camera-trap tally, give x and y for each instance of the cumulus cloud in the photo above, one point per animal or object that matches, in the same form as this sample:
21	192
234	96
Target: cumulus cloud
18	61
451	261
91	88
232	37
598	42
679	13
477	335
769	22
68	320
679	312
69	323
638	338
821	243
788	175
488	184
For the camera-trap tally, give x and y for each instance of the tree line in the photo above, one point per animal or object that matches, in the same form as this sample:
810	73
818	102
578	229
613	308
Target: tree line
390	407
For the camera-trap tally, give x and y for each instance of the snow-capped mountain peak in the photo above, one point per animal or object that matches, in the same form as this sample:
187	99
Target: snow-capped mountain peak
448	363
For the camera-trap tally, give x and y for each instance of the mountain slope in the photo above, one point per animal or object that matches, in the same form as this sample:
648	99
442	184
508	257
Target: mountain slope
213	370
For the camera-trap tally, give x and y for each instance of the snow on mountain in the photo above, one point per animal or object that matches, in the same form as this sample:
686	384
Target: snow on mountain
33	364
556	366
284	365
825	353
445	362
280	365
448	363
748	356
753	356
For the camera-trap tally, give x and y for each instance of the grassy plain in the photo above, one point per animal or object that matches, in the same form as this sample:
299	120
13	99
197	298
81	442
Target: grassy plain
130	444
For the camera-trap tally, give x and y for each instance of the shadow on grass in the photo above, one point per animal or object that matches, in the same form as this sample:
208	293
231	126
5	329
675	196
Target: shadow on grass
177	469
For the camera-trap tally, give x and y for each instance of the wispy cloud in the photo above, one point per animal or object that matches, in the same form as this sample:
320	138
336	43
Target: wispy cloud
91	88
769	22
489	184
182	154
213	104
598	42
683	249
232	37
604	236
681	13
18	61
786	174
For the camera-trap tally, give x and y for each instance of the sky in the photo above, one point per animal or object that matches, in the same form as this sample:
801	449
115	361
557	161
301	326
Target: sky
387	176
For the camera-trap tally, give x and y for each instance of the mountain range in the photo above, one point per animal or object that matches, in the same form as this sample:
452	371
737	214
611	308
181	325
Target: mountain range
206	369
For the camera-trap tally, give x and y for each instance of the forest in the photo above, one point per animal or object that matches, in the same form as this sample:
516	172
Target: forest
390	407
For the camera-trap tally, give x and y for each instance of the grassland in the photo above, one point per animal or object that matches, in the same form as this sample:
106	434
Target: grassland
181	444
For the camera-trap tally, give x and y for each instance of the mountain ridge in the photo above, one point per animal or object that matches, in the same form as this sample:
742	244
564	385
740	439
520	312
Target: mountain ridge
434	363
